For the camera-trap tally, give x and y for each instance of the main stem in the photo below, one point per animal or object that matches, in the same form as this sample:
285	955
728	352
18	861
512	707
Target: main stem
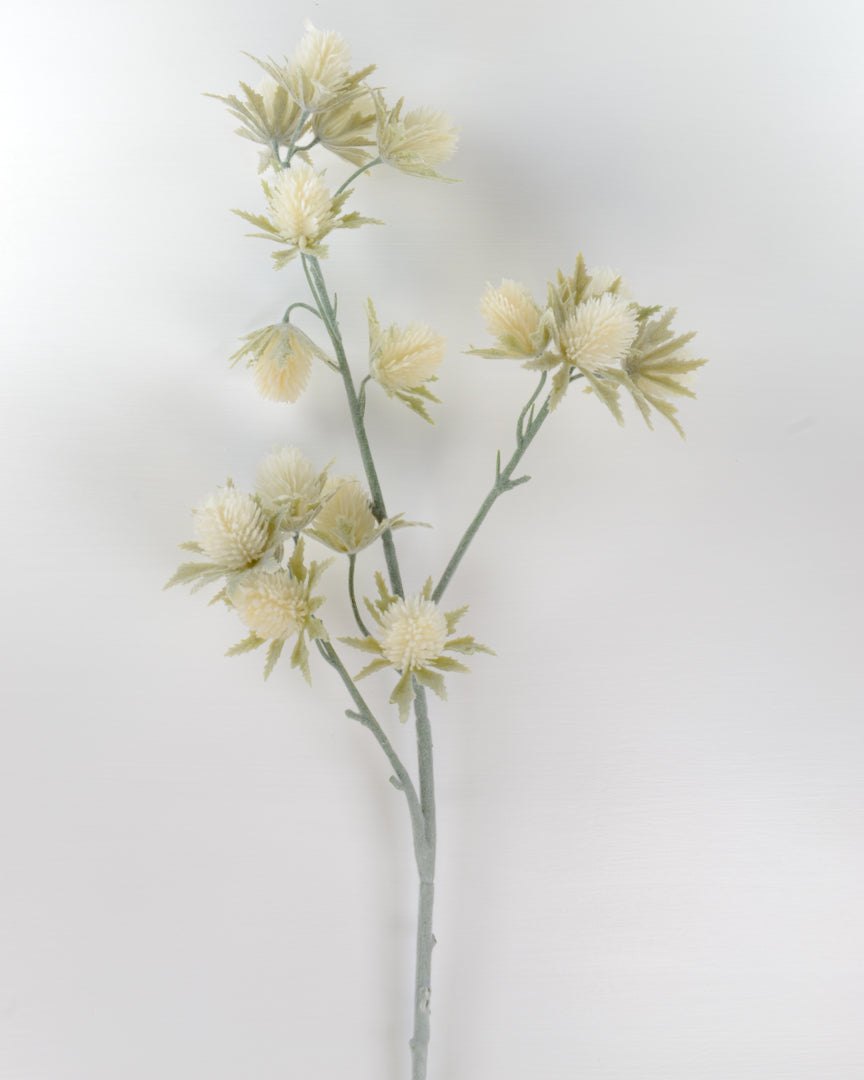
423	824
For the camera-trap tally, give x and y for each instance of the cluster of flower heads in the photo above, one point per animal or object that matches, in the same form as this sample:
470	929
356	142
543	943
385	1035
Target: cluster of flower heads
313	95
402	360
591	329
254	545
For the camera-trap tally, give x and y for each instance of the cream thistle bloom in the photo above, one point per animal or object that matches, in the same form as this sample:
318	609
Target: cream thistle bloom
281	357
403	358
512	317
413	637
589	335
413	143
659	367
231	528
233	531
302	213
345	521
317	75
290	487
267	113
276	603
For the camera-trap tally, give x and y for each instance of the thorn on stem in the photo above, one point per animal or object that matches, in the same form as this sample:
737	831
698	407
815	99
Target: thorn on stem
397	783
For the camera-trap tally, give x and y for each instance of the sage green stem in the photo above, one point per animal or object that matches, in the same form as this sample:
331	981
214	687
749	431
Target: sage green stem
352	562
354	175
322	298
402	780
503	482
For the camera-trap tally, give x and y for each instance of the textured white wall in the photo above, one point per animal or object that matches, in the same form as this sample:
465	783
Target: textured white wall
651	802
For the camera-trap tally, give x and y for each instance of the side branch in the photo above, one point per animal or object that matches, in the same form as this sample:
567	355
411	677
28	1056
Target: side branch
526	428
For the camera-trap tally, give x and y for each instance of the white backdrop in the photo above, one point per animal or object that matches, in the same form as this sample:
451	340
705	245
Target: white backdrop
651	802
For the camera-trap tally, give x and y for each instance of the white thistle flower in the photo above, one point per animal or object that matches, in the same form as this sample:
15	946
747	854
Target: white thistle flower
282	359
414	636
413	632
417	141
512	316
599	332
289	485
318	68
272	603
301	207
345	522
407	356
231	528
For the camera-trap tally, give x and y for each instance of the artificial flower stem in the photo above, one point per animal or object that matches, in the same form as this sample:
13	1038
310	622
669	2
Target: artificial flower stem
365	716
354	175
319	291
503	482
352	562
304	116
299	303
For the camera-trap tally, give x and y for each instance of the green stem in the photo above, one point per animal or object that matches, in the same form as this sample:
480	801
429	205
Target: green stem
354	175
319	290
503	483
364	715
299	303
352	561
304	116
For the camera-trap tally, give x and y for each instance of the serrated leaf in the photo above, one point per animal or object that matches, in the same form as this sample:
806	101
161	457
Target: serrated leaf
433	680
414	404
273	654
447	663
300	658
246	645
467	645
189	572
403	696
376	665
364	644
453	617
260	221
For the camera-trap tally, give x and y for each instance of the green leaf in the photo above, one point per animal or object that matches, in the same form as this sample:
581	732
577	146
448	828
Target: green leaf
453	617
190	572
467	645
273	654
246	645
364	644
403	696
191	545
447	663
260	221
434	680
376	665
300	658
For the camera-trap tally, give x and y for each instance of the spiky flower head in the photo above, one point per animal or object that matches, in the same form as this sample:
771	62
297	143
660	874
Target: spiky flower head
231	528
414	637
276	603
301	207
345	522
660	366
413	632
403	358
290	487
512	317
598	333
417	141
281	358
302	212
603	279
270	602
318	68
